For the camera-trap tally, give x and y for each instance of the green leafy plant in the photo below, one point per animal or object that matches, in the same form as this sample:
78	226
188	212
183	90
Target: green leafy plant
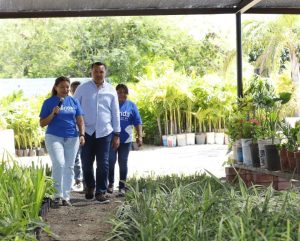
234	128
290	135
267	106
196	208
22	192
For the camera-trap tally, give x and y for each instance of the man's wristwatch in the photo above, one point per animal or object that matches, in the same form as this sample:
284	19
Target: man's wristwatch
117	134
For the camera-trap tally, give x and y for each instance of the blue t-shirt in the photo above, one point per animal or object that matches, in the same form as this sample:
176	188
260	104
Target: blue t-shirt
129	117
64	123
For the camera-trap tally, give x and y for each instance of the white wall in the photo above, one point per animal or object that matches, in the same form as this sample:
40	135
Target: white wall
7	143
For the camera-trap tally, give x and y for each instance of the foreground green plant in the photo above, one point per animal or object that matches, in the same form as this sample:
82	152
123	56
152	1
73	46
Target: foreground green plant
22	192
206	209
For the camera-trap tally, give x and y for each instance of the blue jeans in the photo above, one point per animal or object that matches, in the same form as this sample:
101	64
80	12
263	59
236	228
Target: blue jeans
98	147
122	153
77	166
62	152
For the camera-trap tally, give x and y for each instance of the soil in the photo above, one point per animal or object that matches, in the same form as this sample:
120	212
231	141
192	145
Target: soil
85	220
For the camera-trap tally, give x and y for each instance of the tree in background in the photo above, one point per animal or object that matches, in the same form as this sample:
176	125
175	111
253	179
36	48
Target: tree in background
51	47
273	44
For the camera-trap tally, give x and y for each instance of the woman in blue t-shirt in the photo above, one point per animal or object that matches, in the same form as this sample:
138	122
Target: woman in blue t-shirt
62	115
129	117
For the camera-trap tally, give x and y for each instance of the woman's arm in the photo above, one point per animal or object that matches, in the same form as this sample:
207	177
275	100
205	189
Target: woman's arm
48	119
80	124
139	138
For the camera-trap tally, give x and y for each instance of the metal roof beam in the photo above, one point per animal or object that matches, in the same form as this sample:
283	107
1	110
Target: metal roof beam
115	12
274	10
245	5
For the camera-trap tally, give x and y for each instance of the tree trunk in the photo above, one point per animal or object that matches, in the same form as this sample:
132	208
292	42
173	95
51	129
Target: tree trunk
171	122
159	126
175	122
200	126
166	123
179	120
295	79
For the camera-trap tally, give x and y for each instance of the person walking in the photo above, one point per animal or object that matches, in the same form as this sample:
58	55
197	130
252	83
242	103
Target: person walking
100	104
63	117
129	117
78	177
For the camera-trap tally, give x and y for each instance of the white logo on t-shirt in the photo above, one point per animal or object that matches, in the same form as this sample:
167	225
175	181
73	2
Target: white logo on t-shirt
67	108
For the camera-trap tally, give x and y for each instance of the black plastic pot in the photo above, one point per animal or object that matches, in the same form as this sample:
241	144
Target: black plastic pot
45	206
272	158
254	152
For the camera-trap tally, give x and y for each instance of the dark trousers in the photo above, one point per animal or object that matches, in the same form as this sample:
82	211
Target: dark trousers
99	148
122	153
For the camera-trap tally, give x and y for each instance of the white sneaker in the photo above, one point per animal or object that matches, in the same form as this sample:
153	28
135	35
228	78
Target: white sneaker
77	187
121	193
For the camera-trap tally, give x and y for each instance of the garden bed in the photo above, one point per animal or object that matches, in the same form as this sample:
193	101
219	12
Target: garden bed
200	207
22	198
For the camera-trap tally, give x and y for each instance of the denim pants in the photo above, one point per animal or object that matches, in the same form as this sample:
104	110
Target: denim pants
62	152
98	147
77	166
122	153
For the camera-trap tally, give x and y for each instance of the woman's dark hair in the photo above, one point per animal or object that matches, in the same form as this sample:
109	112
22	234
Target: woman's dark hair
122	86
98	64
57	82
75	83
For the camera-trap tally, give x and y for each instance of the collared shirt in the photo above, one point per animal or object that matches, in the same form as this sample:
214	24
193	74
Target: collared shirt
101	108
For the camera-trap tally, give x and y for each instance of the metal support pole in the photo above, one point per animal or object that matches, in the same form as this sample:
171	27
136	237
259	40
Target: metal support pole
239	55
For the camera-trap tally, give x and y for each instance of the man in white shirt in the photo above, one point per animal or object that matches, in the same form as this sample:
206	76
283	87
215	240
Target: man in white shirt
100	105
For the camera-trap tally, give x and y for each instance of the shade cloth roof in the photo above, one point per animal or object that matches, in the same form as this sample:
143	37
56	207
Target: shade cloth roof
63	8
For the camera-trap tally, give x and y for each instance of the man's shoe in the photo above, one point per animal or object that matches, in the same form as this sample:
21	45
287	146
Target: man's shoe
89	192
100	197
110	188
66	203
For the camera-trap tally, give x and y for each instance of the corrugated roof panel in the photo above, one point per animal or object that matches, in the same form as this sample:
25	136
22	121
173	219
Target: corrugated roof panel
40	5
279	4
55	8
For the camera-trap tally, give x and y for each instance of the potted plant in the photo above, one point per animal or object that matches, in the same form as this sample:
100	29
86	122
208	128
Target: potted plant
19	151
254	150
272	108
201	136
220	134
24	143
30	138
233	130
249	128
190	135
291	149
260	93
295	165
211	119
283	156
285	145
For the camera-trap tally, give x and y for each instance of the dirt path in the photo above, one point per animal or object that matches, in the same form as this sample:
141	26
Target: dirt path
85	220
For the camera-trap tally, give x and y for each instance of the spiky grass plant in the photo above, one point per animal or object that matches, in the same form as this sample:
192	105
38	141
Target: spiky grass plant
200	207
22	191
